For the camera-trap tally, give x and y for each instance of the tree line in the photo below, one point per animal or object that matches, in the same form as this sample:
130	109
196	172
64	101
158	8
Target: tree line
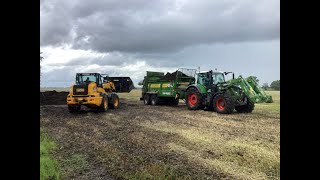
275	85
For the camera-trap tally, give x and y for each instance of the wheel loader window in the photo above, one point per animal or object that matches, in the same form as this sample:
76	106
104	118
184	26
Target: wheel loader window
86	79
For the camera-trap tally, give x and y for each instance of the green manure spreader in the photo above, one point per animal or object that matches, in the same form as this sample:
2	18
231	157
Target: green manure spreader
161	88
199	90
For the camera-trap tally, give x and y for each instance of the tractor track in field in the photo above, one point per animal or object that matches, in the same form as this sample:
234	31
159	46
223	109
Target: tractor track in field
123	142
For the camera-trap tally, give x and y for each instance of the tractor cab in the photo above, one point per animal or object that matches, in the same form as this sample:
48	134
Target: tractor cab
218	77
210	78
87	78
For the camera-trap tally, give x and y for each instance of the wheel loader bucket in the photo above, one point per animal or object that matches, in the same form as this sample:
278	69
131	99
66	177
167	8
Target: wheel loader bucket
122	84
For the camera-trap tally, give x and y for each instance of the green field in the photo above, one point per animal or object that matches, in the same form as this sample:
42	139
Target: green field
48	165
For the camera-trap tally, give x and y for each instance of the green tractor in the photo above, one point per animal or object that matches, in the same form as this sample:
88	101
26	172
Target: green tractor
211	91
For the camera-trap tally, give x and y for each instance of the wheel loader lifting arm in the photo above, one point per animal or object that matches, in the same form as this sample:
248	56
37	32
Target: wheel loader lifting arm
109	86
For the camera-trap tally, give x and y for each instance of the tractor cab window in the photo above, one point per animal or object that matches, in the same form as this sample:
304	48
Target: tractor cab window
218	78
202	79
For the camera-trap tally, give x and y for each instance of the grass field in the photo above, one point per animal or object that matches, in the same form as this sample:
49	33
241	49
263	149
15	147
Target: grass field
48	165
164	142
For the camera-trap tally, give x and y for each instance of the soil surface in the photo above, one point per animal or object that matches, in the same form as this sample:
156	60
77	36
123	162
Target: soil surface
127	142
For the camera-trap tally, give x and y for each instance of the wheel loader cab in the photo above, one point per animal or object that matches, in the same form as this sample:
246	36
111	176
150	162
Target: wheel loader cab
87	91
86	78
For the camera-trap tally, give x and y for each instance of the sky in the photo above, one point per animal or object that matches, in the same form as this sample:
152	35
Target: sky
128	38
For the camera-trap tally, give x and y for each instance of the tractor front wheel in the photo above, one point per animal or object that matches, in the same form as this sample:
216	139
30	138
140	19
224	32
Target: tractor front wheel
223	104
248	108
194	99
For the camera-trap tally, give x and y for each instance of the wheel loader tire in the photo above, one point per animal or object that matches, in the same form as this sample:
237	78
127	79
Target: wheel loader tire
71	109
104	104
248	108
114	101
74	108
194	99
146	99
223	104
154	100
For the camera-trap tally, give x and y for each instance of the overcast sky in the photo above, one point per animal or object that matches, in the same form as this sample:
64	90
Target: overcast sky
128	38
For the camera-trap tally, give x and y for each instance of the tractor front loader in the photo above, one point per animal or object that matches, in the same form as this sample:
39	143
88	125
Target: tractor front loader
262	96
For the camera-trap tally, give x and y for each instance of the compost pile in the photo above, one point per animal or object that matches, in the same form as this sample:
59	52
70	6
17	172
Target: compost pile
172	76
53	98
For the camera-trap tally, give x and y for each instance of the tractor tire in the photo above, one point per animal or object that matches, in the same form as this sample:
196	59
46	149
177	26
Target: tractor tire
248	108
114	101
194	99
74	108
154	100
211	107
146	99
104	104
223	104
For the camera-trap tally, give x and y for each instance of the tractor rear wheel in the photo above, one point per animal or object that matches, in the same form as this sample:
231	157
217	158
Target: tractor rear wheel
248	108
223	104
114	102
146	99
194	99
104	104
154	100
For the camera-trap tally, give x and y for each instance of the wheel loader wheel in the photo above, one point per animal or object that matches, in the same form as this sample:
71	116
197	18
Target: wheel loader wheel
74	108
154	100
114	101
146	99
71	109
223	104
248	108
193	100
104	104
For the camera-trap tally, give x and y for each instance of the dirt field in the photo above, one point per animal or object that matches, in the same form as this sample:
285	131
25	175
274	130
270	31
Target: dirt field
162	142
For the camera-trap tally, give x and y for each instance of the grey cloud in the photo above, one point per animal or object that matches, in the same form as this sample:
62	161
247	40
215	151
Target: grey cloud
235	35
157	26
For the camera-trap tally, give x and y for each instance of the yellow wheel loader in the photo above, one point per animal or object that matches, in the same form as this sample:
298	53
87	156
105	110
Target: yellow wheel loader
95	91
